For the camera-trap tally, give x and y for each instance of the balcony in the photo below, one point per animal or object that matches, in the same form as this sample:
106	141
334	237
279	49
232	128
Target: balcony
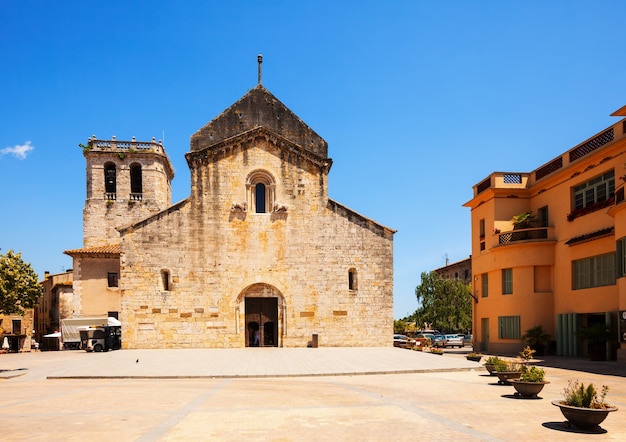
532	234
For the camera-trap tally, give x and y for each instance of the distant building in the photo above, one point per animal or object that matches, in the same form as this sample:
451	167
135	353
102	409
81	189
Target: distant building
16	332
457	270
258	255
56	303
561	265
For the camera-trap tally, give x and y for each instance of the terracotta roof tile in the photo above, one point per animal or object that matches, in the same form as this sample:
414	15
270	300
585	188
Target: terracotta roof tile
108	249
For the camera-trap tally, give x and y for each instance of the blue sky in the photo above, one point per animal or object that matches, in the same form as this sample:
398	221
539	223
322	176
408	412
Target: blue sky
418	100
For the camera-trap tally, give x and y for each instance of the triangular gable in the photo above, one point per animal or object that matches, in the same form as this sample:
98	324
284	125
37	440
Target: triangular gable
259	108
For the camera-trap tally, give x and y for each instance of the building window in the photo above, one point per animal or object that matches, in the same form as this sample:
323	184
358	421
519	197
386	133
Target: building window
112	279
507	281
485	285
259	198
110	180
165	278
17	327
113	315
482	228
621	257
596	271
542	216
136	186
352	280
509	327
260	192
596	190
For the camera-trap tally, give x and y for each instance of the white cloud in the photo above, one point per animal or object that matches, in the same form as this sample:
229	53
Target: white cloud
19	151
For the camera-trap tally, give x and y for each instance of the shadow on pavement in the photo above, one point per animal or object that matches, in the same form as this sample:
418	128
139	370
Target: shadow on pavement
611	368
568	428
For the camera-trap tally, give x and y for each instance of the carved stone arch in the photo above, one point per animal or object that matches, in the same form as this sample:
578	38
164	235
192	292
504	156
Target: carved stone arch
260	191
260	313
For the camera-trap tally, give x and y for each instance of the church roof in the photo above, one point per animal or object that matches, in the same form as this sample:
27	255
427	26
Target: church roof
259	108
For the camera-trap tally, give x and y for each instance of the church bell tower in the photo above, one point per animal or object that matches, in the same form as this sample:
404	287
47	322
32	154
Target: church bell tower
126	181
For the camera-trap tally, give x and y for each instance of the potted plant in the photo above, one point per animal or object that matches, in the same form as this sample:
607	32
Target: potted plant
596	336
434	350
583	406
507	371
536	339
526	354
530	382
476	357
492	363
524	220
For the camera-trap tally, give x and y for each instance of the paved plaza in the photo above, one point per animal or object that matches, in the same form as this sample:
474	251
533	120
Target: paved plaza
282	394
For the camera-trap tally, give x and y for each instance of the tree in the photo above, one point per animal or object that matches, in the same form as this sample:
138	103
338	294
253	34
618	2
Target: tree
19	288
445	303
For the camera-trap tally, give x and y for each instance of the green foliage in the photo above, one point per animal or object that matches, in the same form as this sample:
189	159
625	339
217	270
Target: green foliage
445	303
399	326
492	360
85	147
577	395
527	353
19	288
507	367
532	374
535	336
523	220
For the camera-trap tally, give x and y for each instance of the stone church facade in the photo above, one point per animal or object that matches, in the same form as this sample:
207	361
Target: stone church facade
257	255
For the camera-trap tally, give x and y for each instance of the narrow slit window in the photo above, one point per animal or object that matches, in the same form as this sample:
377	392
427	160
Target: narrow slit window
165	277
352	280
259	197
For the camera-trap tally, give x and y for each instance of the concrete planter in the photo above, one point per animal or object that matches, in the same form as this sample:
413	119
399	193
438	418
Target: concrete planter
528	389
584	418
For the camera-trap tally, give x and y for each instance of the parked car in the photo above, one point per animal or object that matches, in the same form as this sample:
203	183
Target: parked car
425	339
467	340
453	341
400	341
439	341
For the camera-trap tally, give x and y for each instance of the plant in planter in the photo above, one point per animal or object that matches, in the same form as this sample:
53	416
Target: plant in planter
526	354
492	363
536	339
476	357
433	350
583	406
530	382
524	220
507	371
596	336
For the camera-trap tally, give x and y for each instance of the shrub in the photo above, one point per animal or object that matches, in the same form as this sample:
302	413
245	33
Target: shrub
577	395
532	374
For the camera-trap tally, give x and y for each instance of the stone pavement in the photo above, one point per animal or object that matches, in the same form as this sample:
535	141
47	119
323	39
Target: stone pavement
364	394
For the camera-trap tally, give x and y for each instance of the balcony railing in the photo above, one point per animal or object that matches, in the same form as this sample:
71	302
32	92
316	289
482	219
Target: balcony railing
512	236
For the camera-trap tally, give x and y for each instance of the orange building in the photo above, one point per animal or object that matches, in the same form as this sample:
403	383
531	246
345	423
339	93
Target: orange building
549	250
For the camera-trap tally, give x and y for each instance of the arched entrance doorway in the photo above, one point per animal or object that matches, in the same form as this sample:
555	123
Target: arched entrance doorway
261	322
262	319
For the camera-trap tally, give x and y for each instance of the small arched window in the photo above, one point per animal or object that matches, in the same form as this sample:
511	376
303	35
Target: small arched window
110	180
136	186
352	280
260	192
135	178
259	197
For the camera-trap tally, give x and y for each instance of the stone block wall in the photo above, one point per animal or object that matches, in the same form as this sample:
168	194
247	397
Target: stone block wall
213	257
